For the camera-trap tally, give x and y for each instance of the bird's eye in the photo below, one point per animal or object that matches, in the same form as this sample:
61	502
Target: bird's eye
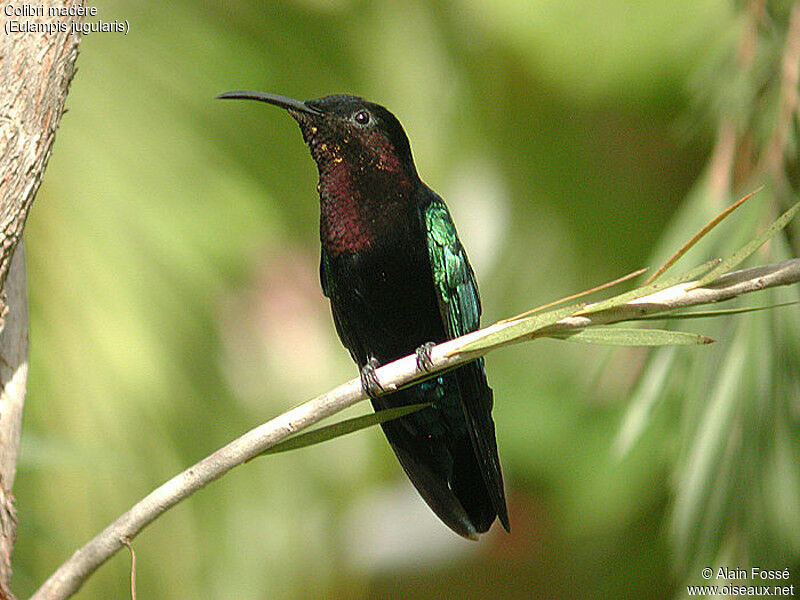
361	117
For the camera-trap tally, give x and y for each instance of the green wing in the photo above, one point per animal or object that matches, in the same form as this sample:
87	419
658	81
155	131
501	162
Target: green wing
460	307
453	278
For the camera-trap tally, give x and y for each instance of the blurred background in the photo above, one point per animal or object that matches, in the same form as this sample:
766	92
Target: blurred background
175	302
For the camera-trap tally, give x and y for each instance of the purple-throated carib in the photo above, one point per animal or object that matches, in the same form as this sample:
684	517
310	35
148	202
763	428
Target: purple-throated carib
398	279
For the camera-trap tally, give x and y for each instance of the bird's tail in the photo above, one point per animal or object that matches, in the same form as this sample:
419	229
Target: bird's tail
477	402
449	450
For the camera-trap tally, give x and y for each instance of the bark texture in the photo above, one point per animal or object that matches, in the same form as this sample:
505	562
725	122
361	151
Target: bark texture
35	73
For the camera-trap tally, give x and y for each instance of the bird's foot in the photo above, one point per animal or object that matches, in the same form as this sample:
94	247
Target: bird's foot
369	380
424	362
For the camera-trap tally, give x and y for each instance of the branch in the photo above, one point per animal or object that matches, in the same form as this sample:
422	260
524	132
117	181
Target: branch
685	295
71	575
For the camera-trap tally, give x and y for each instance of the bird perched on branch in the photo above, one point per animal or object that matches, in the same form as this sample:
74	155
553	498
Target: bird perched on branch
399	281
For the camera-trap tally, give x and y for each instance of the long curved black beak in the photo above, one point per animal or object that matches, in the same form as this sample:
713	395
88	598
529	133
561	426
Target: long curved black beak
277	100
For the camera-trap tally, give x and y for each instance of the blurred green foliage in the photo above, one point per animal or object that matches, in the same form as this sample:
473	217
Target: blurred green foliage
175	303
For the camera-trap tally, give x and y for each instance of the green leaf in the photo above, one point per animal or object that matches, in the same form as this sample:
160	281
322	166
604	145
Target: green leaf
603	286
699	235
329	432
621	336
649	289
732	261
517	330
522	329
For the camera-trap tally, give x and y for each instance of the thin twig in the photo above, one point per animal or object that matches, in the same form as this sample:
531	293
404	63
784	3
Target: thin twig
127	543
71	575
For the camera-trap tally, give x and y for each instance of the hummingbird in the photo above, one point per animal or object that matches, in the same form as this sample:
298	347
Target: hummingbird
399	282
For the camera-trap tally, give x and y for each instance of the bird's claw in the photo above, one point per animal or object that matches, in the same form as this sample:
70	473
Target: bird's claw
369	380
424	362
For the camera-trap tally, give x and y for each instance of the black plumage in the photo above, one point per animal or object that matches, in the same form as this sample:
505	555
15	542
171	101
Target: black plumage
397	278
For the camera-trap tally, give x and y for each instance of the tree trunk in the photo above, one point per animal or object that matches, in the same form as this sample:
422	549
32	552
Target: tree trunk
35	72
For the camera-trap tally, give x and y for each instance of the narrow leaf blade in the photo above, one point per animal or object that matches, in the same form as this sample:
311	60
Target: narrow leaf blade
650	289
739	256
598	288
518	330
699	235
335	430
629	336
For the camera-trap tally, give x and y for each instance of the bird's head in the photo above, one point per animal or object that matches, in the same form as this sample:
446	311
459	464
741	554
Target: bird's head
363	137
